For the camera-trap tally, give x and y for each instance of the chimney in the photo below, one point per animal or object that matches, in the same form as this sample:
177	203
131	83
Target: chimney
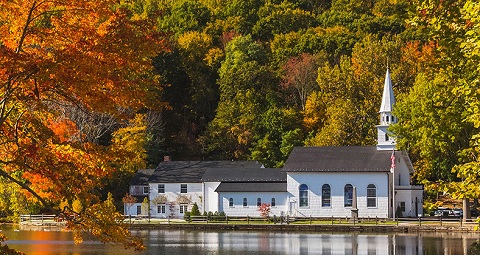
166	158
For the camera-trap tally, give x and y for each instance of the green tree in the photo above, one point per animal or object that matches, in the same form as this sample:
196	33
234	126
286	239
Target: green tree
183	16
453	27
246	89
246	11
335	41
195	211
431	127
281	19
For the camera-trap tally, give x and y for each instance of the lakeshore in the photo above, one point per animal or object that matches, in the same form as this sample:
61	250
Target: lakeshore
306	224
363	227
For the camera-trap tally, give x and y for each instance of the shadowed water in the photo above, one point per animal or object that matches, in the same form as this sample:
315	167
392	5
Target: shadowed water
172	242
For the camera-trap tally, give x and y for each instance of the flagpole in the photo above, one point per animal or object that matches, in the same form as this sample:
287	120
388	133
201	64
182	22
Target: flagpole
392	170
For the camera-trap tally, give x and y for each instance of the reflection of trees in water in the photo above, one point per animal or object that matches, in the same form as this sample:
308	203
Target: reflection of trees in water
474	248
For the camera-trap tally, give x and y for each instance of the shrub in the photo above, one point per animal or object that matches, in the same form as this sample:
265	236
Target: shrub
264	210
195	211
186	216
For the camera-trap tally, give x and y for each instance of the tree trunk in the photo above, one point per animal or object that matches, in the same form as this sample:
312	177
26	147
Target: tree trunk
466	209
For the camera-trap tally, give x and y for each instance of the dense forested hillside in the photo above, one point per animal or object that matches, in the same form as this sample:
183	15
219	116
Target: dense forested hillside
251	79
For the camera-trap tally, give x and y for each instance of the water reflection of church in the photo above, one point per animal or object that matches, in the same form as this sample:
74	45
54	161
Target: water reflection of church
371	181
338	244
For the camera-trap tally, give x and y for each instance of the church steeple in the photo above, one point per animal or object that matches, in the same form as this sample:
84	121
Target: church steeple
384	141
388	100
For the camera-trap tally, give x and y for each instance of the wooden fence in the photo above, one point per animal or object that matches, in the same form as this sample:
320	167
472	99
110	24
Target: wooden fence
40	220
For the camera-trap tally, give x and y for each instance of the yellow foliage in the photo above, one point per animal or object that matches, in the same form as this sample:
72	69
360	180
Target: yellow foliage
214	56
129	144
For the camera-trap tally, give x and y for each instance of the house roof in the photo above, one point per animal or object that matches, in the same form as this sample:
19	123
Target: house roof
252	187
338	159
244	175
192	171
141	177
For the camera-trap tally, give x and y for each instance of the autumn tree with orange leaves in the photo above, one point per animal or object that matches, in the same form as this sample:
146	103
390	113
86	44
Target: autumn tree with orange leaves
85	54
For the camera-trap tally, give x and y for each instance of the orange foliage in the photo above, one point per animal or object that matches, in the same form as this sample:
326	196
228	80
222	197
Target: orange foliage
75	52
64	129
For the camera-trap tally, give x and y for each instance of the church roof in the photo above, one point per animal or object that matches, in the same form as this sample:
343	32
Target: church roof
193	171
388	99
252	187
338	159
244	175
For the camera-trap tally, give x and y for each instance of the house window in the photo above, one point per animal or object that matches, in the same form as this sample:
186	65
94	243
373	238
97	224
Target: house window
393	119
273	202
326	195
259	202
371	195
348	195
303	195
183	188
183	208
230	202
386	138
245	201
161	188
387	118
145	189
402	206
139	209
161	209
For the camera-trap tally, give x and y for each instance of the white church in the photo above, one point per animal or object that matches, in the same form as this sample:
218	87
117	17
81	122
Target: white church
340	181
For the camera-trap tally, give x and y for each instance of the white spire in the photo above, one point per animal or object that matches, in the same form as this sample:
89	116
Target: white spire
384	141
388	100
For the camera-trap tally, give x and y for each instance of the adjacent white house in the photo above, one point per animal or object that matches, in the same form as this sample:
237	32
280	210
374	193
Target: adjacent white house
175	186
338	181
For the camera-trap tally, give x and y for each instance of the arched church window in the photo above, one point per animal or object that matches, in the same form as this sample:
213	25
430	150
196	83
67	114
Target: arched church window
371	195
326	195
303	195
348	195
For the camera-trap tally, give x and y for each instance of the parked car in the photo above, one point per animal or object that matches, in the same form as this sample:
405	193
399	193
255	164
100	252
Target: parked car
442	212
457	212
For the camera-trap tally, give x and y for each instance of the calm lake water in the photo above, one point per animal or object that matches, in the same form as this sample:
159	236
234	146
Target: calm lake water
172	242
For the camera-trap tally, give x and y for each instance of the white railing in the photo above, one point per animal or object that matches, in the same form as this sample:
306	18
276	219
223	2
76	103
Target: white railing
40	219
